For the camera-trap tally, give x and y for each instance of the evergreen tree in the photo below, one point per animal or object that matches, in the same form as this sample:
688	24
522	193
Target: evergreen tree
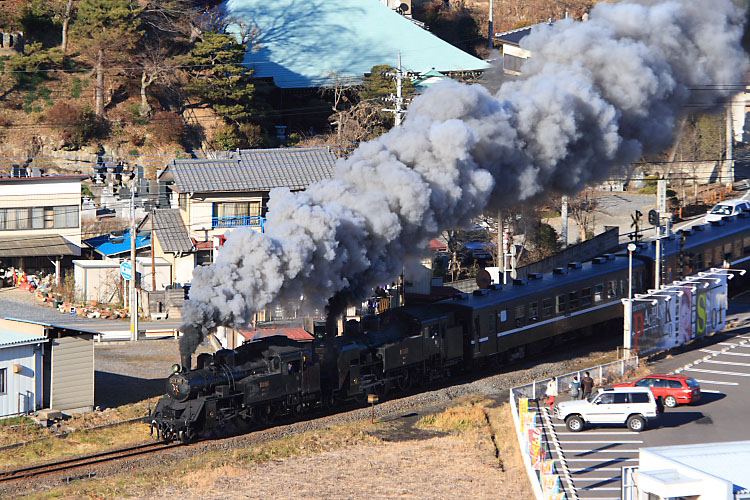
381	82
105	30
217	76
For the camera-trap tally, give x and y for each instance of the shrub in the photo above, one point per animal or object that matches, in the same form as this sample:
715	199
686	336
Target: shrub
77	125
167	127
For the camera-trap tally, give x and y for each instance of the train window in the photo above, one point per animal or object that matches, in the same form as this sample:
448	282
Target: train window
434	331
623	288
737	248
728	251
612	289
560	304
718	256
586	297
477	326
493	323
746	244
533	311
698	262
598	293
293	367
708	256
503	316
276	364
572	300
547	308
520	316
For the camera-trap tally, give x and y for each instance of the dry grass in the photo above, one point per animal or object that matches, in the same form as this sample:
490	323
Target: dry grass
478	459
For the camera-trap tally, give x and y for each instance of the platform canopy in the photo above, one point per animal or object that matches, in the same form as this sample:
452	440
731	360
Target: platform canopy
315	43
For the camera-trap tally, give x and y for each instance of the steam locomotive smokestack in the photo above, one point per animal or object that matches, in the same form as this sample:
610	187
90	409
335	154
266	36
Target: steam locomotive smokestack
593	97
186	361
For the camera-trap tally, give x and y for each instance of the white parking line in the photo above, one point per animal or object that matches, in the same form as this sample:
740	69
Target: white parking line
603	460
715	382
732	344
736	374
730	363
711	392
592	469
613	478
727	353
592	488
601	442
600	451
595	433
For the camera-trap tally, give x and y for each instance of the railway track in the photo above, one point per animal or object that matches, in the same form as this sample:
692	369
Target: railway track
84	461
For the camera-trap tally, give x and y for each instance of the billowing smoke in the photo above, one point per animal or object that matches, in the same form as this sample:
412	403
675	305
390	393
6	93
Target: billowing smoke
593	96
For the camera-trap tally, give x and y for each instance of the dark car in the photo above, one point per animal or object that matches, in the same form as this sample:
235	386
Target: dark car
671	389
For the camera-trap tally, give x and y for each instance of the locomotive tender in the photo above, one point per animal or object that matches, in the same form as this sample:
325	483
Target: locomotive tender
276	376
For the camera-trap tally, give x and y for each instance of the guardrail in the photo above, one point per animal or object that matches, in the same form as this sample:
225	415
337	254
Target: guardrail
535	432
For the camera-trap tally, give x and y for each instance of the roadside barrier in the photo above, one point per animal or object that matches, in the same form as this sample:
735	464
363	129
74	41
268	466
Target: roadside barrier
550	478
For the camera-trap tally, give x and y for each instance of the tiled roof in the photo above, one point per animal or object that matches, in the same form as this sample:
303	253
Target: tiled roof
10	337
170	230
292	333
254	170
38	246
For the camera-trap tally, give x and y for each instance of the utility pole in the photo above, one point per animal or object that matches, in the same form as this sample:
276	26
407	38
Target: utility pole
489	26
133	290
661	210
564	222
728	172
153	257
398	111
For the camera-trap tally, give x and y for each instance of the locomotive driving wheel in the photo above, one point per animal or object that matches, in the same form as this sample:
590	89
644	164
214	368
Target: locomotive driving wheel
405	380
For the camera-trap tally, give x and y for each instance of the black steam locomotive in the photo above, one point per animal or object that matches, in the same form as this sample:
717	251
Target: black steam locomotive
275	376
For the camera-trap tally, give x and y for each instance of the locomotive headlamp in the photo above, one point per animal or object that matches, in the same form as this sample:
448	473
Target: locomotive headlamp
175	368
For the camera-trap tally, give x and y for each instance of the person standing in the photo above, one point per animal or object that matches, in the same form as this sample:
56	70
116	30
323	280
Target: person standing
575	386
551	392
588	386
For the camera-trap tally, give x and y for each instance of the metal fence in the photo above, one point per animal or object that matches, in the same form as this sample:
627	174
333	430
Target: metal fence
602	375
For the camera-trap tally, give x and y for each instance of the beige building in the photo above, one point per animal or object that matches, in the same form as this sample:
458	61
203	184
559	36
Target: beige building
40	221
216	195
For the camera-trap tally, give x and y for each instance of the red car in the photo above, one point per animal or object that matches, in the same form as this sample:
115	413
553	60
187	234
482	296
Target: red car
670	389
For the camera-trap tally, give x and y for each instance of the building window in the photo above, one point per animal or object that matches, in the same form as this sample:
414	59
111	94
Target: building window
512	63
3	380
60	217
232	214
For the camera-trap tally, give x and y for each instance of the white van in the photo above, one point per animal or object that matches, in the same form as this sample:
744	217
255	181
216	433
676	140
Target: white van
727	207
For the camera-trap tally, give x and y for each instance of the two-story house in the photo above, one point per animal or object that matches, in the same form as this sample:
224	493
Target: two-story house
40	222
216	195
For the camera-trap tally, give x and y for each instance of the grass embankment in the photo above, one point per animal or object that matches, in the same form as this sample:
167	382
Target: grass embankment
468	450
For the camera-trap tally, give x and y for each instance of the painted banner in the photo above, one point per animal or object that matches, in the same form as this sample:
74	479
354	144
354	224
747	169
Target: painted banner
678	313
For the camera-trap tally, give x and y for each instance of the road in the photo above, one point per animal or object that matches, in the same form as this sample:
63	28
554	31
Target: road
22	305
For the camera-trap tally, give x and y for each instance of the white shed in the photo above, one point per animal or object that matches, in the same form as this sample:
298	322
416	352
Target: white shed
20	372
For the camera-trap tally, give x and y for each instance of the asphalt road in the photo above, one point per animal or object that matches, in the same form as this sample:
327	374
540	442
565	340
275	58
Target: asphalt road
596	455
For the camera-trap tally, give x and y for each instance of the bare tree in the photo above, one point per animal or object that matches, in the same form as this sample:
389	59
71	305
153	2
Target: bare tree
583	209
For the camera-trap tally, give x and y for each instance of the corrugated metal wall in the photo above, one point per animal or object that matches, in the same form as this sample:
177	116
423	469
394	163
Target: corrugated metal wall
72	386
20	394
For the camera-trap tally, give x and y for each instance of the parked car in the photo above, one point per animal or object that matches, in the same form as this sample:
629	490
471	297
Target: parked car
727	207
671	389
634	407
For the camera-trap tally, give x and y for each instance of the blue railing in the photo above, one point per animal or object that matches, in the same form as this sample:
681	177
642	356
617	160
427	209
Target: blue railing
250	220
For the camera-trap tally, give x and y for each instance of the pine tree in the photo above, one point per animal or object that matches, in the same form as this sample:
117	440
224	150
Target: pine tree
105	30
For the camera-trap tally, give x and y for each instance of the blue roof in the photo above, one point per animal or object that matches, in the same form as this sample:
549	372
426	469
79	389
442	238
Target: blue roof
10	337
513	36
108	244
303	44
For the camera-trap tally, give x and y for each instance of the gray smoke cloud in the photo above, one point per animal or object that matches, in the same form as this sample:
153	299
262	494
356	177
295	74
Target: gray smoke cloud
593	96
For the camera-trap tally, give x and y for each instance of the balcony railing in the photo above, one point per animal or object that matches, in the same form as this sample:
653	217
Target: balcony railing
242	221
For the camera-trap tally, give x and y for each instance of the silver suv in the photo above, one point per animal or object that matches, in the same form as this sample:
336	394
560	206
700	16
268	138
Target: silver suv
631	406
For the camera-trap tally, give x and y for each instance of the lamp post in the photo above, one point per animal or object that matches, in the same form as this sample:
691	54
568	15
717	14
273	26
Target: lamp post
628	307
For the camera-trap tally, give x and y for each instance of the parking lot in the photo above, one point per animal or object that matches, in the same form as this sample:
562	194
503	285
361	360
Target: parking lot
721	365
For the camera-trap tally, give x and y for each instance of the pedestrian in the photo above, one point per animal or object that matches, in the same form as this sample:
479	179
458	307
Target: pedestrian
574	387
551	392
588	385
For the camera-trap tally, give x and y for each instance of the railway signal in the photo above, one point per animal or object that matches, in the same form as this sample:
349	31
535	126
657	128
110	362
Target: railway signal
636	217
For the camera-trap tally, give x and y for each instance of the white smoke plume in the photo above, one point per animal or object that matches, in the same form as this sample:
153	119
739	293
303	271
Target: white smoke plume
593	96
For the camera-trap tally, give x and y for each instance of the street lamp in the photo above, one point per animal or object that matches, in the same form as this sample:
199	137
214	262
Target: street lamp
628	306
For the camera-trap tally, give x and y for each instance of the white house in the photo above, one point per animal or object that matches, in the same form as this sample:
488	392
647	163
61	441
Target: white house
20	371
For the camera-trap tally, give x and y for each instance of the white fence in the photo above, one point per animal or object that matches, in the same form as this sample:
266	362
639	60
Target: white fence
550	478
